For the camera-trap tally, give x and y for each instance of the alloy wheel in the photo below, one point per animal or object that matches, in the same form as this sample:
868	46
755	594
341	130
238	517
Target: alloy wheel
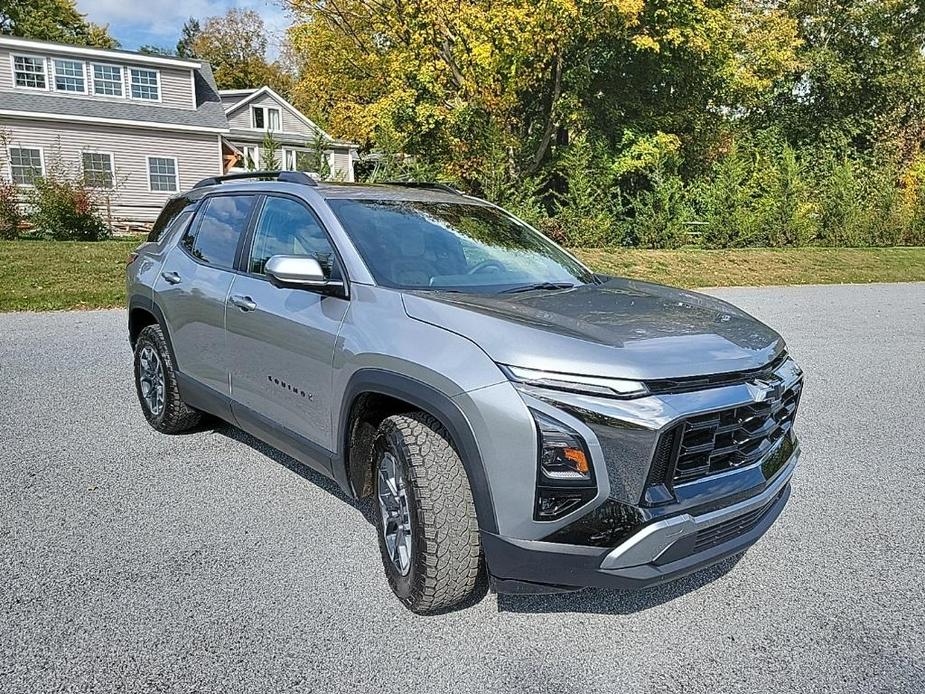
151	379
396	517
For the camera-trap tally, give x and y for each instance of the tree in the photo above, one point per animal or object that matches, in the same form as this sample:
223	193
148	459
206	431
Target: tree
863	80
148	49
236	46
52	20
188	34
443	82
270	153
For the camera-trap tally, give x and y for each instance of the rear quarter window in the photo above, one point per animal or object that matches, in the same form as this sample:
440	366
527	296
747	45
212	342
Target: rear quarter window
175	213
222	220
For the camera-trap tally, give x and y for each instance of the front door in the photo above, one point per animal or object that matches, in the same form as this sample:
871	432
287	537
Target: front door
194	283
281	341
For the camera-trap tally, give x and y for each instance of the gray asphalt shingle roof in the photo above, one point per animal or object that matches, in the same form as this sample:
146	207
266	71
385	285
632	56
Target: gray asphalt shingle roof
209	112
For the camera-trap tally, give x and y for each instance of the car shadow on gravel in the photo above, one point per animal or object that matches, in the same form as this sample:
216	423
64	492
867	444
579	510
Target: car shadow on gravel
597	601
617	602
364	506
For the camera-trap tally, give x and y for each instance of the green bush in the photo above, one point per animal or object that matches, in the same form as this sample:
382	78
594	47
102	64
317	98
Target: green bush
10	213
787	214
844	218
586	211
728	202
660	214
65	209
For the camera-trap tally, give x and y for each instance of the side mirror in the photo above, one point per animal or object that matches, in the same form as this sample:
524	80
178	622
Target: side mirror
301	272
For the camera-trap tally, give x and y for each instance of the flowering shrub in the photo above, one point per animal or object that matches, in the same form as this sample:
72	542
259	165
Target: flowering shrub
10	214
65	209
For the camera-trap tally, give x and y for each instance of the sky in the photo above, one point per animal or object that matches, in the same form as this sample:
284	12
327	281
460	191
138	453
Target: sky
135	23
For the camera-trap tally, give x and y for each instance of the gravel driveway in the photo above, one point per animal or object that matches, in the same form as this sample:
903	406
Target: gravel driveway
132	561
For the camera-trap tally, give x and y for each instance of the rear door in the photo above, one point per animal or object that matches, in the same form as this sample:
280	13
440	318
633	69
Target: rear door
281	341
194	283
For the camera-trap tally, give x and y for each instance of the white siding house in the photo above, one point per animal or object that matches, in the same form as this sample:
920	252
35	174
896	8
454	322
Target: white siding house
143	127
252	113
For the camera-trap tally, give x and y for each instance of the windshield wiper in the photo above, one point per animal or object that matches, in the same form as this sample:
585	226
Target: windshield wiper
538	285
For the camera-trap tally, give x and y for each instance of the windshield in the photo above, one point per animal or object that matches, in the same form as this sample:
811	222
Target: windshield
453	246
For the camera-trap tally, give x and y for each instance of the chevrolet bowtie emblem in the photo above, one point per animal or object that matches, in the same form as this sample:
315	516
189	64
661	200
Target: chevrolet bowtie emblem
762	389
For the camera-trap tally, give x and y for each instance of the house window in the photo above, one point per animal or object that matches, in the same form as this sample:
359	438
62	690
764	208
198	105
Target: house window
145	84
306	161
98	169
107	80
26	165
30	72
289	159
162	174
265	118
69	76
251	157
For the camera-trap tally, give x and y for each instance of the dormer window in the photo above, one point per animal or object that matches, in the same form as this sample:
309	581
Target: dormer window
265	118
69	76
107	80
30	72
145	84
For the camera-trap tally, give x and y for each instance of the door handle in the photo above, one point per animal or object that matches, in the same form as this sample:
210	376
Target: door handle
245	303
171	277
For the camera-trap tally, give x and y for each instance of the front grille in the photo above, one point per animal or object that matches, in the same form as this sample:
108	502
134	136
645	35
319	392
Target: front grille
661	461
736	437
722	532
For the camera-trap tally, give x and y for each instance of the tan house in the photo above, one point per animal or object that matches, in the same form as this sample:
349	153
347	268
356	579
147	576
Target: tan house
252	113
144	126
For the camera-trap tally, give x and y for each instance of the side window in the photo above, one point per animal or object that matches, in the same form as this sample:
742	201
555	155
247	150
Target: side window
168	219
214	237
287	227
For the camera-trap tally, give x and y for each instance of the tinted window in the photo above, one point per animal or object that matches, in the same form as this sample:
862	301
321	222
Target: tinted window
168	216
446	245
220	223
287	227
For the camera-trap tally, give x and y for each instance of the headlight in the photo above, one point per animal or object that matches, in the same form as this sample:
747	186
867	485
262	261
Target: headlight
565	476
573	383
562	452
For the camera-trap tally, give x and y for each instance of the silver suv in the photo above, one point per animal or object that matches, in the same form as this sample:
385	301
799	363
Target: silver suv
516	417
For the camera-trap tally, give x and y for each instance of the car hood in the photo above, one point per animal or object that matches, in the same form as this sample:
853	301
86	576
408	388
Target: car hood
621	329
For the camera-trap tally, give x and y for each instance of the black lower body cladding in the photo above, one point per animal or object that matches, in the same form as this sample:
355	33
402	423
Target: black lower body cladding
617	545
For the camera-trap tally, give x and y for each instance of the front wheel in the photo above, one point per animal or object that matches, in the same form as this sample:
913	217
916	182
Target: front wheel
428	534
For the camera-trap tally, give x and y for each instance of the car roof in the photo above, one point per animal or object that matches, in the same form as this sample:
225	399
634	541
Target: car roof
294	182
390	191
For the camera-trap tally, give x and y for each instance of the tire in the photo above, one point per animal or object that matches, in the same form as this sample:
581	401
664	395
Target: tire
169	414
445	560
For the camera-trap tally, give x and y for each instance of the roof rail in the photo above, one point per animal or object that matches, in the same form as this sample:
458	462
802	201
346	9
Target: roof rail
427	185
283	176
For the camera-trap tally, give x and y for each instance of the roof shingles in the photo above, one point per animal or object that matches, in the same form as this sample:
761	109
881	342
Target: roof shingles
208	114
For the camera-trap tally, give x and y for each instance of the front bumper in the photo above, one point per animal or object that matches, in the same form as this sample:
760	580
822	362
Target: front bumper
663	550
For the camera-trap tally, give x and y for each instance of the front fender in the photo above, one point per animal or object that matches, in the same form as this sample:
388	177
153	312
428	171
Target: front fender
428	399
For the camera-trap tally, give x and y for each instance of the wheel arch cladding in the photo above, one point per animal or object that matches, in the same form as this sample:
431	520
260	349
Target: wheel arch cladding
419	396
142	312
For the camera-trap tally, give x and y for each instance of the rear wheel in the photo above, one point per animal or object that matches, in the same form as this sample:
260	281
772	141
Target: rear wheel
156	384
428	534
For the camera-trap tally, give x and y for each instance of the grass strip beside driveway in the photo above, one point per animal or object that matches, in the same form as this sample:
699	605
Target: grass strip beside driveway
754	267
50	275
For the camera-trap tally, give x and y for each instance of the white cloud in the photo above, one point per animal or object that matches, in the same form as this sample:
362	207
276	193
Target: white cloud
163	19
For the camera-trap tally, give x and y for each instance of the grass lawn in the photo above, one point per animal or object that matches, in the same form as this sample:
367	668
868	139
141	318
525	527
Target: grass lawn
761	266
47	275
